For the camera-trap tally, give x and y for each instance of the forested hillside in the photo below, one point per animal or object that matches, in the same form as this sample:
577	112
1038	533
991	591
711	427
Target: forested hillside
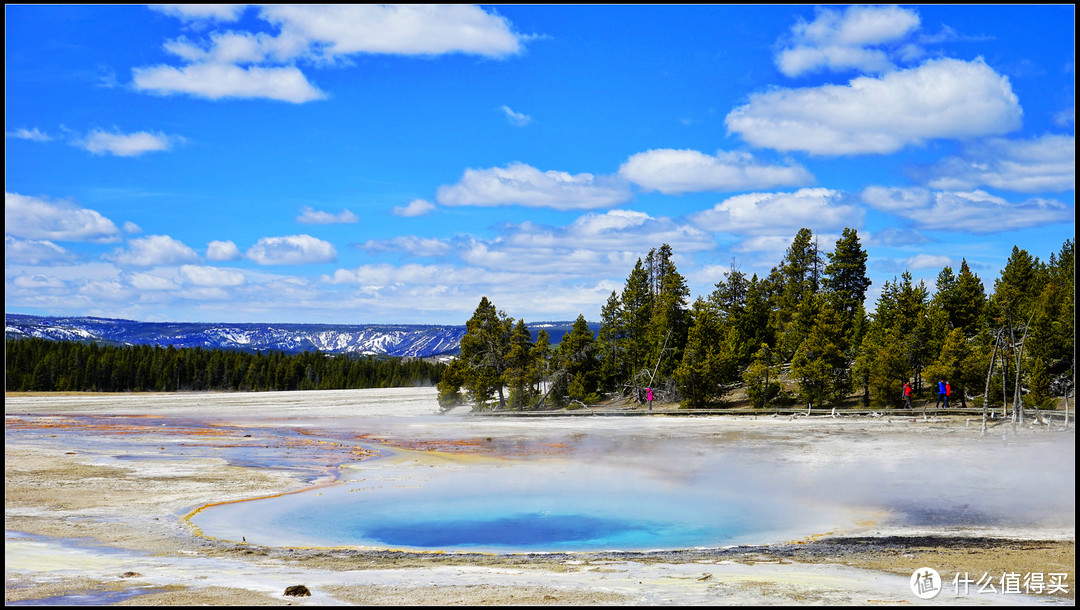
44	365
1010	342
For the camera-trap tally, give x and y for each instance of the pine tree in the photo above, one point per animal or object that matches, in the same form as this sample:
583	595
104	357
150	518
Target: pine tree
611	348
760	378
845	275
704	366
540	363
637	306
576	359
669	321
484	350
962	297
820	363
796	280
519	368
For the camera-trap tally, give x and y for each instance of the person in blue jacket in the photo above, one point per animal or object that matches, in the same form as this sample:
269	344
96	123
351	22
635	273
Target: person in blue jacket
942	394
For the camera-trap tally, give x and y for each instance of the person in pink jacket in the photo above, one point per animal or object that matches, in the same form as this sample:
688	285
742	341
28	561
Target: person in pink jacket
648	397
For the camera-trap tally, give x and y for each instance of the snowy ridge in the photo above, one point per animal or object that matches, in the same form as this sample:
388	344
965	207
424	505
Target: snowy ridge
400	340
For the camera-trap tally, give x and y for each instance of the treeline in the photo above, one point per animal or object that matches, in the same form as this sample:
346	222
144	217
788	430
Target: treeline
1012	345
42	365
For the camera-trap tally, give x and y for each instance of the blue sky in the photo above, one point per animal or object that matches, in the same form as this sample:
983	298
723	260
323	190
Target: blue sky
370	164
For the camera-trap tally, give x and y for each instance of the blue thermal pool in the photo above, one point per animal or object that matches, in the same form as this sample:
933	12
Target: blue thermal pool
514	506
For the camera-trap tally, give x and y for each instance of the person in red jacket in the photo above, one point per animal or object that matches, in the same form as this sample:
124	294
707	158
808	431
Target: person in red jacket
948	392
907	395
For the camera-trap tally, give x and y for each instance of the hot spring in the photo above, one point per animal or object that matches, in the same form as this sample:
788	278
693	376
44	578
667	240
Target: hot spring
416	501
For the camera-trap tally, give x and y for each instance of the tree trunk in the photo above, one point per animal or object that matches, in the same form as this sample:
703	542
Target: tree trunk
986	394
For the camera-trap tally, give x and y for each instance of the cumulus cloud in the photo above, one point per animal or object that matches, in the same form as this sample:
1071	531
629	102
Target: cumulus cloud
615	231
945	98
1042	164
222	251
521	184
224	81
409	29
36	218
192	12
101	142
516	118
527	267
311	216
241	64
202	275
34	134
847	40
416	207
292	250
681	171
153	250
770	213
37	281
973	211
895	236
151	281
411	245
927	261
34	252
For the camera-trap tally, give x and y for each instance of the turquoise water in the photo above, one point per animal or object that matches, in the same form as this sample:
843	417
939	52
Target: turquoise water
531	507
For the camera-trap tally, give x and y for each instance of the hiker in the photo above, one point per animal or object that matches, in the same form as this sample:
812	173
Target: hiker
648	397
907	395
948	392
941	395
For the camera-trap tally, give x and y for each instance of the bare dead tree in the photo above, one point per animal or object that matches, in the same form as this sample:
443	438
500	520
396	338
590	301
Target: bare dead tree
989	374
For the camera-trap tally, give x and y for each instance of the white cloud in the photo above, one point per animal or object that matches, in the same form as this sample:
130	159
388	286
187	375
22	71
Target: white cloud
897	199
414	246
516	118
771	213
521	184
223	81
238	48
222	251
33	252
411	29
944	98
202	275
311	216
1047	163
1065	118
108	291
34	134
153	250
191	12
927	261
36	218
530	267
416	207
151	281
842	41
130	227
101	142
246	65
974	211
681	171
37	281
894	237
291	250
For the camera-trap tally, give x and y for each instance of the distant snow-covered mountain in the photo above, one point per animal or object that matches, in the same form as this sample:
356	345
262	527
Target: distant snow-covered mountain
421	341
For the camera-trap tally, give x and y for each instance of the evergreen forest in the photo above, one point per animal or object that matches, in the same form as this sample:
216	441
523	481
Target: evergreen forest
43	365
1007	343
